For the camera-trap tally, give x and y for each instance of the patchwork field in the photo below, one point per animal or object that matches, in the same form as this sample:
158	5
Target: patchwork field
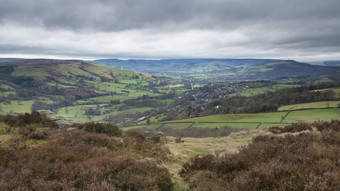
311	115
76	86
242	117
256	91
250	121
77	113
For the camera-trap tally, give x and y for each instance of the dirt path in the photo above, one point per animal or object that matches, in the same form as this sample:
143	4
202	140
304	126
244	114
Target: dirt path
201	146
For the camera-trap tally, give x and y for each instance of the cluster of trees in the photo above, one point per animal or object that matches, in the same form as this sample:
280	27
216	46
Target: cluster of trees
38	105
92	111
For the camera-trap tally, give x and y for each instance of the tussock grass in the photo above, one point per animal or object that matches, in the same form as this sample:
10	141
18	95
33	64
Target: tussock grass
191	147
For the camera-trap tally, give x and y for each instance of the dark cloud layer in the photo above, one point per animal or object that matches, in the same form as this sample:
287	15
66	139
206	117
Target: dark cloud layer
134	14
289	26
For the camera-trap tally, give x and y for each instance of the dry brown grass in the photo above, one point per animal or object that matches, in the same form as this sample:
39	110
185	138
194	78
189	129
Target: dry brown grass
181	152
298	159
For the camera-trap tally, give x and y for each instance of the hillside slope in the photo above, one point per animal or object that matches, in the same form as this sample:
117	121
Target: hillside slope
279	69
223	69
78	90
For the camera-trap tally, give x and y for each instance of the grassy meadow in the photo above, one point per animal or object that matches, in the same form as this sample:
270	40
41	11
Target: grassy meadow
250	120
255	91
15	107
311	115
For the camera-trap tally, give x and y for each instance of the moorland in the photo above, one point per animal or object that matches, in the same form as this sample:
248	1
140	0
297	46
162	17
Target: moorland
181	124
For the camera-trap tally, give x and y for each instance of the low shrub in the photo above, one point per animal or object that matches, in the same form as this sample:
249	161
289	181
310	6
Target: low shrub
79	160
294	127
156	138
23	120
197	132
135	133
104	128
307	161
179	140
333	125
275	129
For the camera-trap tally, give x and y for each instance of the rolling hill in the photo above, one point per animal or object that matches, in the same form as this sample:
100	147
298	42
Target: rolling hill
279	69
223	69
181	66
332	63
78	90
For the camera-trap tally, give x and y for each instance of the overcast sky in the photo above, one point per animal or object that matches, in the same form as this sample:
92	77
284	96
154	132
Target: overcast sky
305	30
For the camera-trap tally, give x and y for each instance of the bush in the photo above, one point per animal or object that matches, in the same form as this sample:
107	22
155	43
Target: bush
198	132
293	128
26	119
104	128
307	161
275	129
136	134
30	132
179	140
39	135
333	125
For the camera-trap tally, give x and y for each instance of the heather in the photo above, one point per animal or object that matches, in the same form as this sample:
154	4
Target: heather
75	159
303	161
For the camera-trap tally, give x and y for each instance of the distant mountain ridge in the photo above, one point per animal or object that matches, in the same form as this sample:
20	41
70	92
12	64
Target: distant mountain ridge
224	69
10	59
181	66
42	69
332	63
212	69
284	68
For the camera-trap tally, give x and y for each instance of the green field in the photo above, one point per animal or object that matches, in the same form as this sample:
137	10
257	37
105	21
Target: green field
313	115
233	125
177	125
15	107
77	113
322	104
253	120
256	91
6	90
8	93
241	117
29	71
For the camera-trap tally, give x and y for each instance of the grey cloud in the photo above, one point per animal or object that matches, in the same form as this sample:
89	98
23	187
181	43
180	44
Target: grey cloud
135	14
171	28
